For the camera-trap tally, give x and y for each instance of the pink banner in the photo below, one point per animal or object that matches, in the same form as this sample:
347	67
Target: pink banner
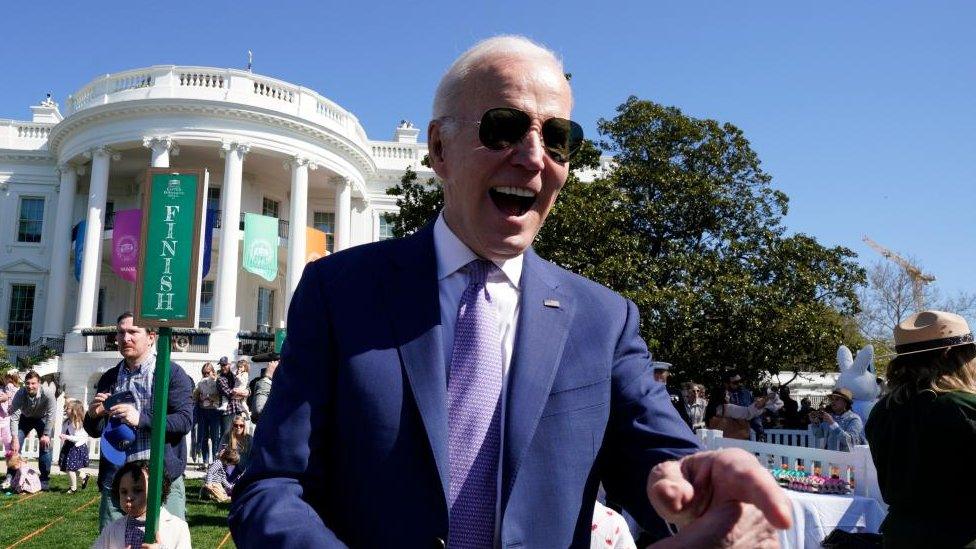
125	243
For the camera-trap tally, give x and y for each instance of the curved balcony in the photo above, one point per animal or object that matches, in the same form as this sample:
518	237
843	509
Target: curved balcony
224	85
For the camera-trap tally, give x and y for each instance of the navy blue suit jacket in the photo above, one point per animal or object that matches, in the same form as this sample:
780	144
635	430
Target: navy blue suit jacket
352	445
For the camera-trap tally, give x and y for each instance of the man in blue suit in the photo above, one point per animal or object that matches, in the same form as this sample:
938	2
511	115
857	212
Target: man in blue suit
452	388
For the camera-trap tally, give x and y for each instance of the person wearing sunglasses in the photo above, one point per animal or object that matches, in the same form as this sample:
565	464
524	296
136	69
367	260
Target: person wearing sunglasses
456	388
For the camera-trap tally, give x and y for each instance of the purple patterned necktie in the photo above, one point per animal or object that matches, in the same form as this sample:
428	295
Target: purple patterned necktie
474	413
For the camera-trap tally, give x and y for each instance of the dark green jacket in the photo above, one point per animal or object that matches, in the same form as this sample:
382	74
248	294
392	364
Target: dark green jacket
925	450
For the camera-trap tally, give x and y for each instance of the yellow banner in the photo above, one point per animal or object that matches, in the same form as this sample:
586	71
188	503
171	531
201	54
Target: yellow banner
314	244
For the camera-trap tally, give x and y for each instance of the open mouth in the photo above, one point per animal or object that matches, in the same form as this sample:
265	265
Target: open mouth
513	201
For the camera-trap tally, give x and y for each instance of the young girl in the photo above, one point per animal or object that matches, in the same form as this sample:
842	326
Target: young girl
74	445
241	378
8	387
23	479
131	487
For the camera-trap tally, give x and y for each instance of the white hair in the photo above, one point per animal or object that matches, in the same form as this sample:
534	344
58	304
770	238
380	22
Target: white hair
451	84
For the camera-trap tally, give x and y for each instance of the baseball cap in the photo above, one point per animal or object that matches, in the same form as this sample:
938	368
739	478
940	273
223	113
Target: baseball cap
116	439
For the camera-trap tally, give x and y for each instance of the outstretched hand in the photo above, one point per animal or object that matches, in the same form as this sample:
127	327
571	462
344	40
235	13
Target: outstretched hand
722	497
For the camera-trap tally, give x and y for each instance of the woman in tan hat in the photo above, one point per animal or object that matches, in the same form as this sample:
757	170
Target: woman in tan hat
838	425
923	434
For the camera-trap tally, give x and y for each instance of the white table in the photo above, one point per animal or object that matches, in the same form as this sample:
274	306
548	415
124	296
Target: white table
817	515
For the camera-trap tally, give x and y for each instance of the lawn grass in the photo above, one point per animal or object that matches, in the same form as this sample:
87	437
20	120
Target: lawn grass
56	519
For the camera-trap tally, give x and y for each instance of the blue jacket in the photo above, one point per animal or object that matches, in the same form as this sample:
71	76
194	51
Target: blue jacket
351	448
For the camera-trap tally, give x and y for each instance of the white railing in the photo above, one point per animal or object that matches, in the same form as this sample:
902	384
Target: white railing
17	134
213	84
31	449
407	152
788	437
773	456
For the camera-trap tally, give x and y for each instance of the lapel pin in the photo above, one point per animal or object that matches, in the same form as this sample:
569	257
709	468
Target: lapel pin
551	303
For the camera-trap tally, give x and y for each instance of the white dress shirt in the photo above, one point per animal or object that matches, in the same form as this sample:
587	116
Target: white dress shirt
502	286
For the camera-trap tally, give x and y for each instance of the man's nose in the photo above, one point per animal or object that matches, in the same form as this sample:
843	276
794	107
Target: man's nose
529	152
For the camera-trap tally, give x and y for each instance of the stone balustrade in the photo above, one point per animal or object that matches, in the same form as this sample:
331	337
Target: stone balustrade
16	134
213	84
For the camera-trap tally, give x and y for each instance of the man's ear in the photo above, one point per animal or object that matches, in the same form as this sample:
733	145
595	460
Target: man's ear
435	147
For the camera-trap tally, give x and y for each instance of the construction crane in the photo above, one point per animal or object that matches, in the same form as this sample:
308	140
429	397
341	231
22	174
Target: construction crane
919	279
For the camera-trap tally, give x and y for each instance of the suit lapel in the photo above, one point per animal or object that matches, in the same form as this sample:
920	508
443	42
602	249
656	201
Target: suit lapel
412	295
543	326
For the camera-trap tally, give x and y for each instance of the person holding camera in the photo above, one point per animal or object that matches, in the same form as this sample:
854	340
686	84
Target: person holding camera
838	424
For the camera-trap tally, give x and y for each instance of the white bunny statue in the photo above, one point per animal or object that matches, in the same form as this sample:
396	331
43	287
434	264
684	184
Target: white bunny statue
858	376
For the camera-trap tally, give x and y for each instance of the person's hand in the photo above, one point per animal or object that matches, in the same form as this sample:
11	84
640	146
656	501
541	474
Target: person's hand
827	418
815	417
760	402
721	497
4	397
14	444
240	392
127	413
63	436
95	409
45	442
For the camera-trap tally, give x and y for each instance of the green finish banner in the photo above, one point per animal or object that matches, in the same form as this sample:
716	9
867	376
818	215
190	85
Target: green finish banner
261	245
169	255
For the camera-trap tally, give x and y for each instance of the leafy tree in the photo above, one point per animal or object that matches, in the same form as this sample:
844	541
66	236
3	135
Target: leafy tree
688	226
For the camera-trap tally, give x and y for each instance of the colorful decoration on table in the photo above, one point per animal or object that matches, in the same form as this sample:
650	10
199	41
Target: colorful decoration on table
799	480
857	374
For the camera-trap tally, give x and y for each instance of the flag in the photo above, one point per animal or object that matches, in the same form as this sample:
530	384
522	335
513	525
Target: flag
207	239
78	233
261	245
314	244
125	243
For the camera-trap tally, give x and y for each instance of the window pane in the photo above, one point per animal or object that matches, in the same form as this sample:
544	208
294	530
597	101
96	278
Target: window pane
206	304
269	207
20	314
386	228
325	222
265	316
31	220
213	198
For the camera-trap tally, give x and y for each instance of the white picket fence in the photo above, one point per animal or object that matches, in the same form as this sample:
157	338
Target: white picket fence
789	437
776	455
31	449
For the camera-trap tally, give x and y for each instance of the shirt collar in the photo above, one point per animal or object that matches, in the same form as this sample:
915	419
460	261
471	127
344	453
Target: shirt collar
452	254
149	362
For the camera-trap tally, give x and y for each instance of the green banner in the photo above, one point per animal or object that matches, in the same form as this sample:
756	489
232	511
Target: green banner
261	245
279	339
170	249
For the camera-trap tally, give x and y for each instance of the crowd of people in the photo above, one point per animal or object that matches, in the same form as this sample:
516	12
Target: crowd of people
218	411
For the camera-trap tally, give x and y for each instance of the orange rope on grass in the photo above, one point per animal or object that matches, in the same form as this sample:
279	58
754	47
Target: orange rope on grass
20	499
223	541
40	530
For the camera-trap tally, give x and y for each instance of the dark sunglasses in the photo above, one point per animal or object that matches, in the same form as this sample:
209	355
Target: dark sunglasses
504	127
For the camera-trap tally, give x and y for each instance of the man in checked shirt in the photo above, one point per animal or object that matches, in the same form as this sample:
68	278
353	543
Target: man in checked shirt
135	373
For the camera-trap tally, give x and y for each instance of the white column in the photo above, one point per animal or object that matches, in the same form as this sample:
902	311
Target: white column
160	149
57	284
343	213
92	258
298	220
225	314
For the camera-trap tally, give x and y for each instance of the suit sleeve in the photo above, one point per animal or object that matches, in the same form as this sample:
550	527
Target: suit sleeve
644	428
274	500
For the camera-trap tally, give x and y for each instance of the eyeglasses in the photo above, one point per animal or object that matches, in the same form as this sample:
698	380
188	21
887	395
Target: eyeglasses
504	127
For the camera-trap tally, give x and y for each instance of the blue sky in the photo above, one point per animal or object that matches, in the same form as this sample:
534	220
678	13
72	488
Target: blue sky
863	113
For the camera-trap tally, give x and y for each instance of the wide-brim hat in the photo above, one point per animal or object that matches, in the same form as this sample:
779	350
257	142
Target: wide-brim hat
266	357
843	393
931	330
116	438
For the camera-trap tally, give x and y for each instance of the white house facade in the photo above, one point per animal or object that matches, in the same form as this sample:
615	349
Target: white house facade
270	148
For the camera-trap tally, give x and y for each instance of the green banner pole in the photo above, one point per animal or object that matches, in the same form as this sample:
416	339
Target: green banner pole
158	435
